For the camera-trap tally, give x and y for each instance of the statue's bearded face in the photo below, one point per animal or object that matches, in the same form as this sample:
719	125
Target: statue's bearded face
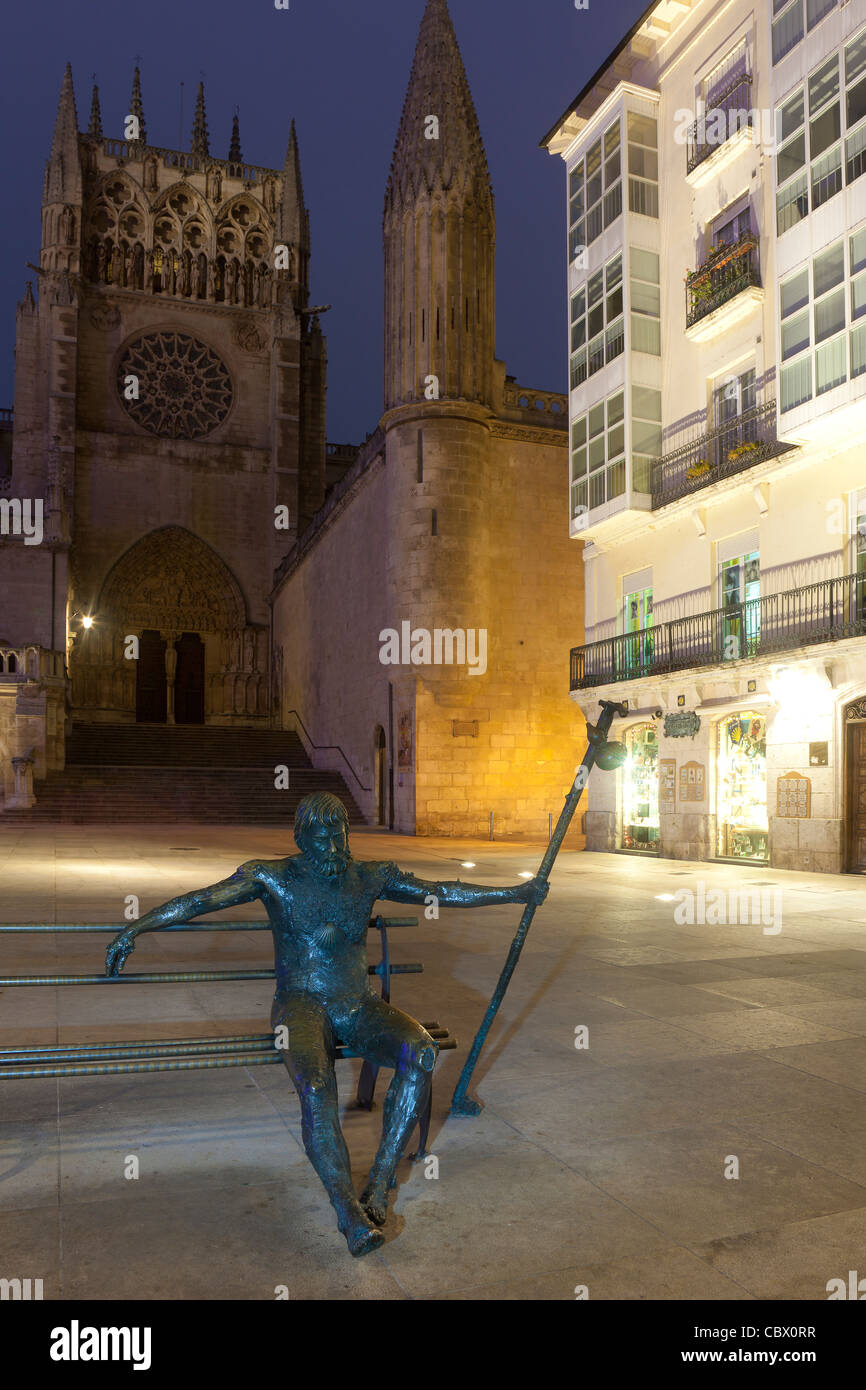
327	848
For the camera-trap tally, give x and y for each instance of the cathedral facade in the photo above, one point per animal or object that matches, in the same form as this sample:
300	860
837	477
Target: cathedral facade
169	426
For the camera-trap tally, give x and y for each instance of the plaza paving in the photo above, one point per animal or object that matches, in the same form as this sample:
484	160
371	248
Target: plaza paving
602	1166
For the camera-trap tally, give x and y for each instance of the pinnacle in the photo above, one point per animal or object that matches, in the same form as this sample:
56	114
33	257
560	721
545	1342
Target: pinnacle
199	125
437	152
135	105
235	155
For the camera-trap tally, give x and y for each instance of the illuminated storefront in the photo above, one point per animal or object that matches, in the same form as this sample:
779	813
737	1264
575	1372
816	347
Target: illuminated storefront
640	810
743	830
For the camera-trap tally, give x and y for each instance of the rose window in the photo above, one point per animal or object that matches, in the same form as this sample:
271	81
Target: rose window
184	389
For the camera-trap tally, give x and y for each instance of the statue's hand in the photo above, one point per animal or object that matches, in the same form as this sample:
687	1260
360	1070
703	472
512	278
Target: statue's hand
534	891
120	948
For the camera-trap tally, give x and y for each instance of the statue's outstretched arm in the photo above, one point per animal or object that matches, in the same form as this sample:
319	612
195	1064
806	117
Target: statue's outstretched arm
240	888
403	887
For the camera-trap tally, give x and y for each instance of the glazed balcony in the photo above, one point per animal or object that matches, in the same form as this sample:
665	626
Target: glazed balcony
726	123
729	272
826	612
728	449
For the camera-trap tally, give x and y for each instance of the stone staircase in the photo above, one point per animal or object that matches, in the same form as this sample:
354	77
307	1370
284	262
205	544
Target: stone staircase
122	773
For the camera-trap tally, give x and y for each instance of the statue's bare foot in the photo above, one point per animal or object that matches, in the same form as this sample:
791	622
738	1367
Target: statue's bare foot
374	1200
361	1237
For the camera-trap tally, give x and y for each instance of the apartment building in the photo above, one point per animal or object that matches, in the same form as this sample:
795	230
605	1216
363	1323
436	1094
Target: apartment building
717	342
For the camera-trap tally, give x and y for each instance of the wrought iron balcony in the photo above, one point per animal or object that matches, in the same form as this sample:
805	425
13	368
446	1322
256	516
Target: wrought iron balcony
825	612
734	106
730	448
726	272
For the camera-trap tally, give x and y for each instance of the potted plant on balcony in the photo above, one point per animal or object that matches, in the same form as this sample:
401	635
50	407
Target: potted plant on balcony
698	470
740	450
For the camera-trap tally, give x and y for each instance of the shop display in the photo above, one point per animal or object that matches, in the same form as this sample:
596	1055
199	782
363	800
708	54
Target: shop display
742	788
640	812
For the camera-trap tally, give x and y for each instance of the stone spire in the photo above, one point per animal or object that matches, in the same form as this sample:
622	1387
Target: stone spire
135	106
429	154
94	129
63	171
199	126
235	156
439	273
294	218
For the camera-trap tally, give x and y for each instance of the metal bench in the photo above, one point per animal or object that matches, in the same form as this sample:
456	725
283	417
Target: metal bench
190	1054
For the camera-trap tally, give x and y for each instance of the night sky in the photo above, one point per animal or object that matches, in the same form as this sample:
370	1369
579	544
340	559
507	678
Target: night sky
340	67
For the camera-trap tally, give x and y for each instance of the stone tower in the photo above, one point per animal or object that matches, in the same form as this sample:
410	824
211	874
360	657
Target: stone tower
170	410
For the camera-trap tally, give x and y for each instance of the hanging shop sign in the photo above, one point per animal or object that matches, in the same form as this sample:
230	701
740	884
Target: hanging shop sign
668	785
692	782
794	795
682	725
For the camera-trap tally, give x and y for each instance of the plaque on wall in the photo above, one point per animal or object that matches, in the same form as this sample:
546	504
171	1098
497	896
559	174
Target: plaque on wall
682	725
794	795
404	740
692	782
667	784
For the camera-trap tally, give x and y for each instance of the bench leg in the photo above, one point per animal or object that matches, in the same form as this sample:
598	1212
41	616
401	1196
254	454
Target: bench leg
367	1085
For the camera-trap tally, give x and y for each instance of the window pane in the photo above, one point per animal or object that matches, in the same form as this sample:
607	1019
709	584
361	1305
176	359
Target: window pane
615	409
596	452
576	241
646	403
611	139
645	299
613	273
787	30
824	84
830	315
830	366
616	442
824	130
855	58
858	250
858	297
791	115
643	198
612	170
645	335
614	304
596	420
578	463
612	204
578	432
816	10
796	384
792	204
642	130
856	103
596	320
578	305
643	162
575	180
644	265
614	340
596	287
855	155
794	292
795	335
578	334
826	177
858	351
791	157
828	269
646	438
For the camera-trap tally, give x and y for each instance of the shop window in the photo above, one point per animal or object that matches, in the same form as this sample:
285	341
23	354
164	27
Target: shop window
743	828
640	815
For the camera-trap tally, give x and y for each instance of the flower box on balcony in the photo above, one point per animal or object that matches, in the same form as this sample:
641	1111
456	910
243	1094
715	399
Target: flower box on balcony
750	447
698	470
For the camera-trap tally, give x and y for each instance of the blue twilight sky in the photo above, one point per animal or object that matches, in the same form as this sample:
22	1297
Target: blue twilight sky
340	67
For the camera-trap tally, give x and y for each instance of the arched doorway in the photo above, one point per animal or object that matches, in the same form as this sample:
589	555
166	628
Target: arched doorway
216	664
381	766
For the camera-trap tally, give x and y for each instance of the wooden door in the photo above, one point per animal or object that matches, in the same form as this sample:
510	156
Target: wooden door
189	680
150	684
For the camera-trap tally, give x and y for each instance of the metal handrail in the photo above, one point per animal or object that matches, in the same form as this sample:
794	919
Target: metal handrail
751	437
827	611
696	150
328	748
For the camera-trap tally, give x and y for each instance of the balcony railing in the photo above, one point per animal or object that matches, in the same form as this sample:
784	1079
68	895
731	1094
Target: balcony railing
734	104
725	273
730	448
824	612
